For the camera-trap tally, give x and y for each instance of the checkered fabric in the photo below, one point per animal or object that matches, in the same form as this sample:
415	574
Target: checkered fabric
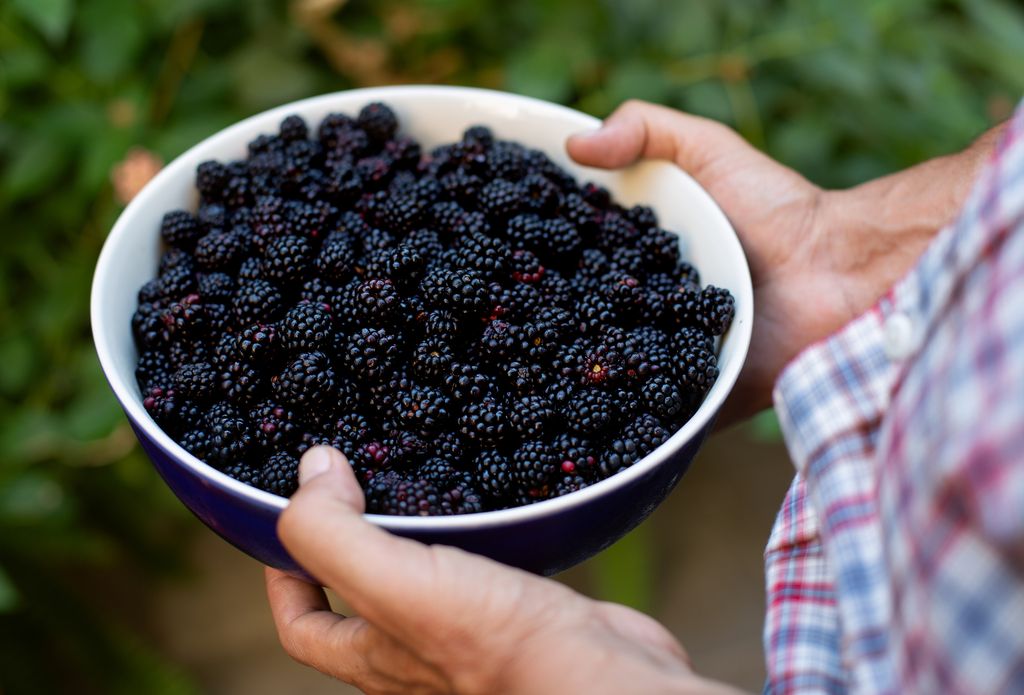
896	564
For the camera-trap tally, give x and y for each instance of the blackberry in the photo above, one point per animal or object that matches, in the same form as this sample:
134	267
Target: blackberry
153	370
215	287
642	217
697	370
540	195
244	473
660	250
526	267
568	484
500	199
432	358
503	342
375	301
403	265
211	178
403	498
306	381
462	292
274	426
489	257
196	442
615	231
711	309
494	474
662	397
241	383
336	259
624	293
478	138
463	187
593	263
180	229
485	422
472	222
423	408
251	269
581	215
467	383
446	216
378	121
280	475
531	416
332	127
286	259
229	436
404	151
578	456
185	319
212	216
590	412
371	353
402	214
449	446
255	301
691	337
637	439
629	261
439	472
534	464
293	128
196	380
258	343
175	258
219	251
306	327
344	185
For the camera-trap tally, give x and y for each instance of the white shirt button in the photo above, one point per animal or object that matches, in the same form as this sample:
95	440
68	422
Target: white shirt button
900	337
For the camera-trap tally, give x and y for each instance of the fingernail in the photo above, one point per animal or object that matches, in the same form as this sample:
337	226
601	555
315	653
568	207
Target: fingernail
316	461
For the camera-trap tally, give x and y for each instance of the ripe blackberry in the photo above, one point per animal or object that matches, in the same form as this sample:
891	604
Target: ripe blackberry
439	472
293	128
371	353
332	126
163	405
195	380
215	287
463	186
153	370
229	436
534	464
306	327
251	269
402	214
375	301
711	309
211	178
432	359
423	409
697	370
615	231
196	442
244	473
439	324
463	292
219	251
637	439
691	337
467	383
180	229
662	397
280	475
660	250
274	426
403	498
540	195
578	456
343	185
212	216
378	120
581	215
484	422
629	261
531	416
336	259
506	160
258	343
479	138
503	342
255	301
486	255
624	293
642	217
590	412
286	259
185	320
175	258
306	381
567	484
494	474
241	383
500	199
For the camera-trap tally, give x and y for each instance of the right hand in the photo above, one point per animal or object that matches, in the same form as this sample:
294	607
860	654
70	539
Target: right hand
818	258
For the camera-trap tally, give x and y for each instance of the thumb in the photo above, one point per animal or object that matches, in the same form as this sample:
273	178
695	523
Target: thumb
326	469
640	130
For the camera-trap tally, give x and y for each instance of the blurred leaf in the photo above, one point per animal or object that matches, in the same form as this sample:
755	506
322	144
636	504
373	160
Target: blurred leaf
31	496
9	597
112	34
34	166
50	17
624	573
18	359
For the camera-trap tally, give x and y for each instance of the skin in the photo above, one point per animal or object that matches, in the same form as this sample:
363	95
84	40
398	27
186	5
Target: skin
433	619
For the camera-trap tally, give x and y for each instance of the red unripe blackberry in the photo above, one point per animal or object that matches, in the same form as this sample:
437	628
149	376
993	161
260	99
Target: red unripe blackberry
526	267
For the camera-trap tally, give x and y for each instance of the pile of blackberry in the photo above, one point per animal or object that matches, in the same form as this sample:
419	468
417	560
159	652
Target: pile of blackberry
471	326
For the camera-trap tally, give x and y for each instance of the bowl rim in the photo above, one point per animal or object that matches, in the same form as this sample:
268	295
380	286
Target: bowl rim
740	331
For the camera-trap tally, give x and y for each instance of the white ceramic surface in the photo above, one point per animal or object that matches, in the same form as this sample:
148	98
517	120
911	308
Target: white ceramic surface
433	115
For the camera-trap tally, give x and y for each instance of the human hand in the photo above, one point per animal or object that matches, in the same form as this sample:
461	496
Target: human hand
818	258
434	619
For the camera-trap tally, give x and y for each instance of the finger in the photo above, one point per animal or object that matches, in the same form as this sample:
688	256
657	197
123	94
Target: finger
394	583
639	130
310	632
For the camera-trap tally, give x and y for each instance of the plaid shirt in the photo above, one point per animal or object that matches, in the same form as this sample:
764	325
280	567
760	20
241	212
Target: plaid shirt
896	564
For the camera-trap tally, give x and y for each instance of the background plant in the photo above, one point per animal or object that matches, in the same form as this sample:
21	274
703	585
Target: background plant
843	91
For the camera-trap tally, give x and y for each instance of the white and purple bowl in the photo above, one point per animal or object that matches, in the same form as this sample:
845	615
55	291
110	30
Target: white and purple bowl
546	537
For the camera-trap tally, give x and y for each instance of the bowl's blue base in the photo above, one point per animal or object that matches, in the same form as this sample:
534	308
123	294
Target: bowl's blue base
544	545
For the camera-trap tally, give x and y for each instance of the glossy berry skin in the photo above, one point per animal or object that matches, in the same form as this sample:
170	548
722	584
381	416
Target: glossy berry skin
306	381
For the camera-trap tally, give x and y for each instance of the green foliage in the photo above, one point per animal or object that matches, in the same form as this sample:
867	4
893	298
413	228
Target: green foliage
843	91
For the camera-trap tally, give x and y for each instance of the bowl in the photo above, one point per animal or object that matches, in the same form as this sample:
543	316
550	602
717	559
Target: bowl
546	537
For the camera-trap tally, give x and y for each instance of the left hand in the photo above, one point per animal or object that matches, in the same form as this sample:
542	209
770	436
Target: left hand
434	619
